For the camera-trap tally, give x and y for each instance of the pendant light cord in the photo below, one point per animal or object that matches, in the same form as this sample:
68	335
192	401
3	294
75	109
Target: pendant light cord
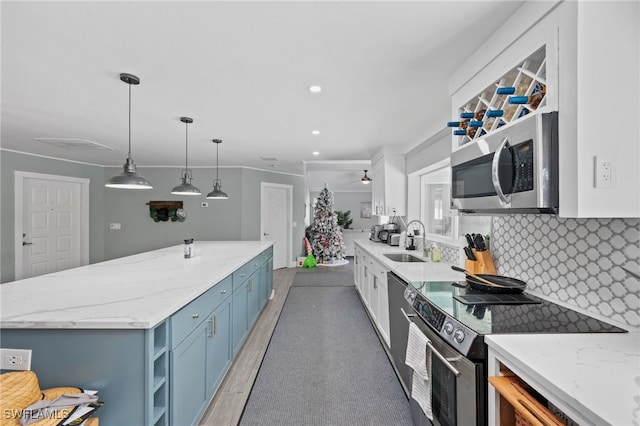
217	158
186	147
129	120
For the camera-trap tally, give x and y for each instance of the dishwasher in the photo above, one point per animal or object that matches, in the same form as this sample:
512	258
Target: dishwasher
399	328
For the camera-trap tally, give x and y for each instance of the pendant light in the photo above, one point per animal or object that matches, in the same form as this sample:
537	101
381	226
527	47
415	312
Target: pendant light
185	188
366	179
129	178
217	193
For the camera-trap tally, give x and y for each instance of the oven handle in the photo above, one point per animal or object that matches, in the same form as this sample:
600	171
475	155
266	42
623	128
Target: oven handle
445	361
495	177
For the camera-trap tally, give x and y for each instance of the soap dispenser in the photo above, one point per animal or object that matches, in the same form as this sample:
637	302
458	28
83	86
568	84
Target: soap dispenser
436	254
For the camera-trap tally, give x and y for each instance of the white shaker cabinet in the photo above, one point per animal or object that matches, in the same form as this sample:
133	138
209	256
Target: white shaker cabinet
389	183
371	282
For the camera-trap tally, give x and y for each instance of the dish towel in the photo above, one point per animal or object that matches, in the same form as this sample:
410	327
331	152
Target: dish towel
418	357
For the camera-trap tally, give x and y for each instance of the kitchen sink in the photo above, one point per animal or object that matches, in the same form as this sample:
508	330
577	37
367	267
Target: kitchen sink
402	257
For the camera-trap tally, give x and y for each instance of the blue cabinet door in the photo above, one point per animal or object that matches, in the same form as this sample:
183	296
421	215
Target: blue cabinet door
188	390
218	345
240	317
253	295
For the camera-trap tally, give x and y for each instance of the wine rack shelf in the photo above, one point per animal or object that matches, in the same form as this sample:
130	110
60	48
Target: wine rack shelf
522	91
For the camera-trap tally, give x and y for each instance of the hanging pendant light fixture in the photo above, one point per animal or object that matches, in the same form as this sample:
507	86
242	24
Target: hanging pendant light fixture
217	193
185	188
129	178
366	179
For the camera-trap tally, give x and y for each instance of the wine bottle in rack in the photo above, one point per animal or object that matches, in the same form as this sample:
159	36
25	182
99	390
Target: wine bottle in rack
471	132
467	114
501	95
461	124
532	100
505	90
495	113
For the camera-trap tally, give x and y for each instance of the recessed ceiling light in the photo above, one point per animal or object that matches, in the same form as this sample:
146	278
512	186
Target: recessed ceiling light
315	132
315	89
316	153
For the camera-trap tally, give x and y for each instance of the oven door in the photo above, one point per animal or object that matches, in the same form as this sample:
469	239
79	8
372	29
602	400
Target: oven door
513	169
458	395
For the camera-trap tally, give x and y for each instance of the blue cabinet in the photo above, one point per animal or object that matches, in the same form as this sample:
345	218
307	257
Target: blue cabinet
240	320
201	355
188	384
253	297
266	280
218	346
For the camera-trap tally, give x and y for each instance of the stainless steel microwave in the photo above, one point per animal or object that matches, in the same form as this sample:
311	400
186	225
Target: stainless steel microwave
513	170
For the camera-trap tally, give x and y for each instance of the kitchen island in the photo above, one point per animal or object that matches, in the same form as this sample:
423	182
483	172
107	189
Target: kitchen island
153	333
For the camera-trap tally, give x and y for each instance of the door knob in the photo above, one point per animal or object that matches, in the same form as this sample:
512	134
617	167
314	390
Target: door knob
265	234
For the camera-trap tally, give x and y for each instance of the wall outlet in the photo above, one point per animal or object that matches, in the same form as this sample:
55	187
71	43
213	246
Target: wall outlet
115	226
15	359
204	204
604	172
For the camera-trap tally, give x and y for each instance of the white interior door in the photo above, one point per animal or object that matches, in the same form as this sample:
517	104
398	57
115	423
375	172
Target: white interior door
53	221
275	221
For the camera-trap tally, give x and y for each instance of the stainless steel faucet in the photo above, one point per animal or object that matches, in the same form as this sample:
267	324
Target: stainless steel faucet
424	232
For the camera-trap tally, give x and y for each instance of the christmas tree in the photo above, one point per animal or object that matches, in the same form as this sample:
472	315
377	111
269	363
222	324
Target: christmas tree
325	235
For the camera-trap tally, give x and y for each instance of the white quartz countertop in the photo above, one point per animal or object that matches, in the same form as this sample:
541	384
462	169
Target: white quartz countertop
137	291
410	271
593	378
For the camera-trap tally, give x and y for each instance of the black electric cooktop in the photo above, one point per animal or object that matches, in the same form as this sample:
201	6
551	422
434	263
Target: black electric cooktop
485	313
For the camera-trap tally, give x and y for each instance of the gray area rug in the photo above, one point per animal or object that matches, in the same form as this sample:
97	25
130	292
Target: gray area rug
321	279
325	366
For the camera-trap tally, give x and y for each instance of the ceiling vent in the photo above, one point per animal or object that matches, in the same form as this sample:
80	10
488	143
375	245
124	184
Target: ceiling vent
74	143
269	158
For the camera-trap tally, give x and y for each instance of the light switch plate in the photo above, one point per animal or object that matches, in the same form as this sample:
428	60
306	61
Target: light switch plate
115	226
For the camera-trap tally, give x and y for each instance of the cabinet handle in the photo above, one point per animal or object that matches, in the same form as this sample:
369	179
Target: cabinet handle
195	316
223	292
375	283
212	331
250	285
242	275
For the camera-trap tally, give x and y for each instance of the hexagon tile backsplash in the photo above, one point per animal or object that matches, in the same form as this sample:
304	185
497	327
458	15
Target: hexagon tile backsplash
577	261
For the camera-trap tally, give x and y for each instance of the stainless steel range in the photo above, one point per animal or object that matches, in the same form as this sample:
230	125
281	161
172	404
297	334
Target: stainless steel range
456	320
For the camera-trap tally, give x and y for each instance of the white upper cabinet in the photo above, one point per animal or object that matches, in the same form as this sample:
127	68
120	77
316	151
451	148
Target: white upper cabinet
389	183
592	72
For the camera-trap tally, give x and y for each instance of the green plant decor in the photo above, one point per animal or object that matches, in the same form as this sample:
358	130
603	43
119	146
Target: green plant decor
344	219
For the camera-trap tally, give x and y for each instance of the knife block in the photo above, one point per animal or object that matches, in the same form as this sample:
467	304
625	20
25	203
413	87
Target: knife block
482	265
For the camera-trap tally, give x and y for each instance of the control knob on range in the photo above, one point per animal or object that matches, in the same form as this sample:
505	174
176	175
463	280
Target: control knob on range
448	327
458	335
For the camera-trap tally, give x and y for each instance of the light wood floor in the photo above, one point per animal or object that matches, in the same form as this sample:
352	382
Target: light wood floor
231	397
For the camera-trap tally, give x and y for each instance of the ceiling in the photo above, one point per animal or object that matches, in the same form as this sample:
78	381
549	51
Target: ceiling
242	71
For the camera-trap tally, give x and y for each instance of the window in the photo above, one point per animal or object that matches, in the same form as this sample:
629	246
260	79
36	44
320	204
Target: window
442	223
437	216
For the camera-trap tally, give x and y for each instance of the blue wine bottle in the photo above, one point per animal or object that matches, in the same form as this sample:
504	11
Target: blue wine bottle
495	113
505	91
